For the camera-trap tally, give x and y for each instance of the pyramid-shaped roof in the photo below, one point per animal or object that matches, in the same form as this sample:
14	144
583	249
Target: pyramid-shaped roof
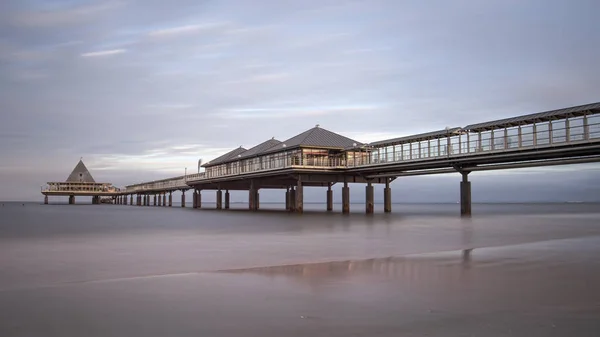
227	156
260	148
316	137
80	174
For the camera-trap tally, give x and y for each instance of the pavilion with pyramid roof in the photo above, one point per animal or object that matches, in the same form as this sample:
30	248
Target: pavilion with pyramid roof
79	183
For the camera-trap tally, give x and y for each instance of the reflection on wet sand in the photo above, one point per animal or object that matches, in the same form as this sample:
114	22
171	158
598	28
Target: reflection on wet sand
412	269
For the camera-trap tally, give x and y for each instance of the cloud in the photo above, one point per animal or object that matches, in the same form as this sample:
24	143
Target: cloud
277	113
103	53
76	14
185	29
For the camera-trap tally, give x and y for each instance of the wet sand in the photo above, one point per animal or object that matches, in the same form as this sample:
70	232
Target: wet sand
535	274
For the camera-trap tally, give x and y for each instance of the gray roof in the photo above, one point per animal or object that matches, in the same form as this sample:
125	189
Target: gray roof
260	148
316	137
579	110
80	174
418	138
226	157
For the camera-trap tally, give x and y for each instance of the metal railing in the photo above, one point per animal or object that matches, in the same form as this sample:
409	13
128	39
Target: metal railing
540	136
468	144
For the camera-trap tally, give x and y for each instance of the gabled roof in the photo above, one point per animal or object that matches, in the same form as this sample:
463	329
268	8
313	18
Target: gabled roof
80	174
260	148
579	110
418	138
226	157
316	137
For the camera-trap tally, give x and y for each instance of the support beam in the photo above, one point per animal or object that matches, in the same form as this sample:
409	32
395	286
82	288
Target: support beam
154	204
465	195
252	197
387	197
71	200
257	199
170	198
329	198
131	200
124	200
369	199
183	198
219	199
194	198
226	199
345	198
45	200
287	198
299	197
164	199
292	199
199	200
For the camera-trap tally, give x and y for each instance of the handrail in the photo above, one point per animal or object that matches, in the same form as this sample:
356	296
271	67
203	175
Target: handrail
461	145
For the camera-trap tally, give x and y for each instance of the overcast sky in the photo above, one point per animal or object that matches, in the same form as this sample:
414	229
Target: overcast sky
143	88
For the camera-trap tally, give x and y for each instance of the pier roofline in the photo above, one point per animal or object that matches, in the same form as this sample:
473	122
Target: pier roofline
314	138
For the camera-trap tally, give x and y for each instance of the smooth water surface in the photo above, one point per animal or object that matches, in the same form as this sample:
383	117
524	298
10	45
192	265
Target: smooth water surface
112	270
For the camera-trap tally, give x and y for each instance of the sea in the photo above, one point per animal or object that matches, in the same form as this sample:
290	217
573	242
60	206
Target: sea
422	270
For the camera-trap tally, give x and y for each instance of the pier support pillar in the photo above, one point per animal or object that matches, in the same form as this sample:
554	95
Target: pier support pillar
299	197
387	197
465	194
369	198
226	199
154	200
139	200
131	199
292	199
165	199
182	198
170	199
219	199
195	198
71	199
124	200
287	199
146	200
199	199
329	198
252	205
345	198
45	200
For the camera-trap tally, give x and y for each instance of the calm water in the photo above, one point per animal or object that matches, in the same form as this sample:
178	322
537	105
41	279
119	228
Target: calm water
106	270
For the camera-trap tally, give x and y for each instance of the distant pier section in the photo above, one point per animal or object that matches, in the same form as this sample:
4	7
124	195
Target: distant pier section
80	183
321	158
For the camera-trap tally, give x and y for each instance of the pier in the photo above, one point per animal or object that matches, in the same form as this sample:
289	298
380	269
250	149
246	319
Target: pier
322	158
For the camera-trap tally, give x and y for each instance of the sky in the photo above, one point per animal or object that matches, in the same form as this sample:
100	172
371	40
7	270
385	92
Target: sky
143	89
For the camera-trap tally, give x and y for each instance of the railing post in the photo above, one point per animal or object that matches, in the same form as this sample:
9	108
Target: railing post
550	133
520	136
586	128
534	134
567	130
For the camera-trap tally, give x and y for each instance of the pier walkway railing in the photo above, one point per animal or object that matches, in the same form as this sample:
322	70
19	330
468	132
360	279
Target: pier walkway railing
456	143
